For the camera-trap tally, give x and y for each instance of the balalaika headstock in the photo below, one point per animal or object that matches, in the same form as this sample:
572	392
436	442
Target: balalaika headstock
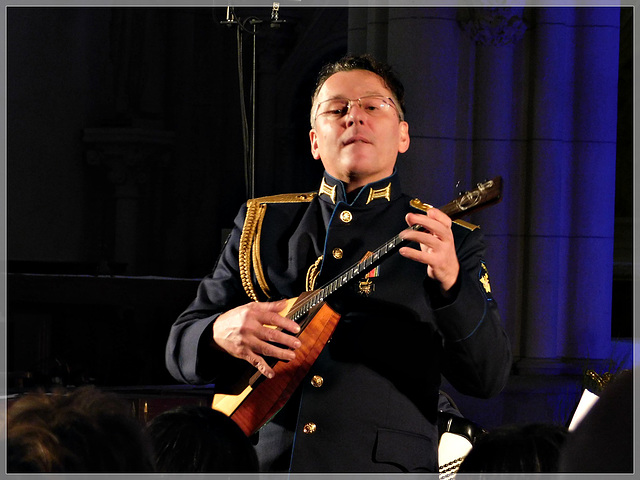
485	194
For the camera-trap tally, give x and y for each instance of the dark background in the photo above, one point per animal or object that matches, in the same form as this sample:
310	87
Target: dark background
126	162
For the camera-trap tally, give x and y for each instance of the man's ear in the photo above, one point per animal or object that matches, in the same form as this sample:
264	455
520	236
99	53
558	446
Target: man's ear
315	149
403	140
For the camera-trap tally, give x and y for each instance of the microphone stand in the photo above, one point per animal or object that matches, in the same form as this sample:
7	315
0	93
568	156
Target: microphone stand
249	141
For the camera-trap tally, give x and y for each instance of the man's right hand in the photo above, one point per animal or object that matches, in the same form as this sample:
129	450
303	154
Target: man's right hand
244	332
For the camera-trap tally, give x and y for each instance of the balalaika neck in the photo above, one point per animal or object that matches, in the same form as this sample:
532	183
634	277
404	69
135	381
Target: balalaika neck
355	272
486	193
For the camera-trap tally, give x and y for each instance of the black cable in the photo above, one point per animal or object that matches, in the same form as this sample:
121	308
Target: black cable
249	144
252	151
243	113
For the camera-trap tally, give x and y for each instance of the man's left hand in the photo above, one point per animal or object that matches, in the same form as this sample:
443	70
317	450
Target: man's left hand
437	248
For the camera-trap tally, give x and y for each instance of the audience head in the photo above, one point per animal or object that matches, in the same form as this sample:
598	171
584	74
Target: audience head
197	439
84	431
530	448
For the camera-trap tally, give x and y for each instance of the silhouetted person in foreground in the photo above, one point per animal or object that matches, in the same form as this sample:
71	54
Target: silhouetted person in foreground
85	431
197	439
603	441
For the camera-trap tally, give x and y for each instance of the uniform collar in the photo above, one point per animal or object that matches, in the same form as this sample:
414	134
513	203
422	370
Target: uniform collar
333	191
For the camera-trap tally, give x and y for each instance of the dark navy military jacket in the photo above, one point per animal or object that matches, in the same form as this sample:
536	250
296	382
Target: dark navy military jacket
375	408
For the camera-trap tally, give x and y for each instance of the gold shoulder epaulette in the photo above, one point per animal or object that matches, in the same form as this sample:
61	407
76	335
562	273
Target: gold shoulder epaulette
468	225
286	198
415	203
249	248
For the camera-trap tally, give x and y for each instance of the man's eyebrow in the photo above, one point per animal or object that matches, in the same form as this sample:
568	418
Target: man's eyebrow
366	94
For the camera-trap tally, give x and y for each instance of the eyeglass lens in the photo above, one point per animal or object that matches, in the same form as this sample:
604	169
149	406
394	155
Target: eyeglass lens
338	107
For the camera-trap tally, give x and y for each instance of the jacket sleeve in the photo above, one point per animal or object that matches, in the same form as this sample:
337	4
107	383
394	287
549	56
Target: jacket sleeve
189	356
477	353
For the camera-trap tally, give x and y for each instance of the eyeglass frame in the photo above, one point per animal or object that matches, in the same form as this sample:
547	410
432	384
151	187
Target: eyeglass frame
359	100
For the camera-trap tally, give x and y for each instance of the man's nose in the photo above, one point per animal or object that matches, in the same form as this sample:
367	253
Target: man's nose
356	114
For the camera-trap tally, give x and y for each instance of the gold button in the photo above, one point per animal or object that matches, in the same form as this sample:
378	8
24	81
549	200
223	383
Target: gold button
317	381
346	216
337	253
309	428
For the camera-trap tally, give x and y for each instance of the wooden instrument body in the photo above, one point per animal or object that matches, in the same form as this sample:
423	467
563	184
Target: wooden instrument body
263	397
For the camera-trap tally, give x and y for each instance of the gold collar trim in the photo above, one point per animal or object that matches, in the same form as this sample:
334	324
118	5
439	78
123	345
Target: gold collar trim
327	190
380	193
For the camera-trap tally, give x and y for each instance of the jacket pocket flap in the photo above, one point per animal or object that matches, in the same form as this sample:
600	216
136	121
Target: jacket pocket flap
411	452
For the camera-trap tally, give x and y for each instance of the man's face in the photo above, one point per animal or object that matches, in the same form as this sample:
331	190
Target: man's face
357	148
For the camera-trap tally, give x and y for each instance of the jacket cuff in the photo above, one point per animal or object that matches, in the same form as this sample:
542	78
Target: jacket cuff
437	299
458	320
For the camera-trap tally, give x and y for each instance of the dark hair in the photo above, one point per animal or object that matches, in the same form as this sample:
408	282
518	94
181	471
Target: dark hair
530	448
363	62
85	431
197	439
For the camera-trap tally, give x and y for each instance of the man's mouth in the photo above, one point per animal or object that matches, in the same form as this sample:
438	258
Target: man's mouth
356	139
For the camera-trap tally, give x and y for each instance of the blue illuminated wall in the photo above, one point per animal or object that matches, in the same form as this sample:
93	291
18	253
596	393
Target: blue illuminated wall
529	94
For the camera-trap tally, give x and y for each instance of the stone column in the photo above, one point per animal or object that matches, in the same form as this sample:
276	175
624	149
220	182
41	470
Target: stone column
570	211
131	157
497	148
426	52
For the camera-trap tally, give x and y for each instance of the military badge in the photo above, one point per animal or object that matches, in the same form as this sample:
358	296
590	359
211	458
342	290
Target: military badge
483	278
366	285
380	193
328	191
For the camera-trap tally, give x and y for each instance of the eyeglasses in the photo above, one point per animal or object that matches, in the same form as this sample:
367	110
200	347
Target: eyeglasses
374	105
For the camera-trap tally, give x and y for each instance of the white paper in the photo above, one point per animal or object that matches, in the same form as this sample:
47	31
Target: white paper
587	401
